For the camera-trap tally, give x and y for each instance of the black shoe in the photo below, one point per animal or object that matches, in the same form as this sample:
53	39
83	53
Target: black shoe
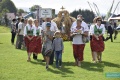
43	60
114	38
46	67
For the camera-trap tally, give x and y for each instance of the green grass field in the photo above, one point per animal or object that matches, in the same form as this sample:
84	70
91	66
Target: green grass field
13	64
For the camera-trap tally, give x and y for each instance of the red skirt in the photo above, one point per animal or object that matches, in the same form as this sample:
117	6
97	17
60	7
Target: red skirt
97	45
30	44
38	45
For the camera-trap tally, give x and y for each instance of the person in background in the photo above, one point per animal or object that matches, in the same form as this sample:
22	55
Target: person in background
53	28
110	31
47	44
20	34
78	44
58	47
13	31
25	24
38	42
30	33
115	31
17	40
97	43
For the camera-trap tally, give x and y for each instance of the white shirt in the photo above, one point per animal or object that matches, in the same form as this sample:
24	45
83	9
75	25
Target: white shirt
83	24
77	39
40	29
98	27
21	26
30	28
52	28
90	32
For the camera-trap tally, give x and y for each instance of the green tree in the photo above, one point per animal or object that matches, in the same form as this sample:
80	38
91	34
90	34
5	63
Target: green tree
8	4
87	15
4	11
20	11
33	8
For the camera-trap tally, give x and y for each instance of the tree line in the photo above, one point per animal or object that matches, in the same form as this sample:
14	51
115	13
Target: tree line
87	15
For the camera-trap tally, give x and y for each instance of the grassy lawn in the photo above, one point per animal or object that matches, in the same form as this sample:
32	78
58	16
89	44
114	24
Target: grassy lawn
4	29
13	64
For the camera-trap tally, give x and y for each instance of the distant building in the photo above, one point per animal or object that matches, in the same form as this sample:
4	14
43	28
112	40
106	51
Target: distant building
10	16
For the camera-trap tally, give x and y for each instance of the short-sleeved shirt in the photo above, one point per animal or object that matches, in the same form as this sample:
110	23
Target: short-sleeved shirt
21	26
52	28
29	28
13	26
49	33
101	27
77	39
82	24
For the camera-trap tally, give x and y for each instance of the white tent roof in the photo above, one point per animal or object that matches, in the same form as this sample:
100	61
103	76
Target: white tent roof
115	18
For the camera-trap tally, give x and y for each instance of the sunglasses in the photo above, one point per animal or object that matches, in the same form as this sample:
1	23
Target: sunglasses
99	20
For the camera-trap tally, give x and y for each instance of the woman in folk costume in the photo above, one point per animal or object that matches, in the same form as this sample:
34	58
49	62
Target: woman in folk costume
38	43
78	44
30	33
97	43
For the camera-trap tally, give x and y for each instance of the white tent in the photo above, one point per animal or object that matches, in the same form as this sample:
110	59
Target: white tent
115	18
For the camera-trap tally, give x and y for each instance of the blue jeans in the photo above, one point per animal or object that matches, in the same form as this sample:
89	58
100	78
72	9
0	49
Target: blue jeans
58	56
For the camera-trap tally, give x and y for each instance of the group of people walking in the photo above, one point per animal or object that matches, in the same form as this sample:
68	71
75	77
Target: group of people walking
46	39
36	39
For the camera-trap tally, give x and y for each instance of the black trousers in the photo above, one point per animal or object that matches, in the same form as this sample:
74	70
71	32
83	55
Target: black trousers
20	41
110	37
13	37
116	33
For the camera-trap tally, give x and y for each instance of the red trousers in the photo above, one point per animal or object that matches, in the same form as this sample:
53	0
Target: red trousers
78	51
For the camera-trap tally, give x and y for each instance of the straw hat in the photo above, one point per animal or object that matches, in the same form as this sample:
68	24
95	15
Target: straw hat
98	18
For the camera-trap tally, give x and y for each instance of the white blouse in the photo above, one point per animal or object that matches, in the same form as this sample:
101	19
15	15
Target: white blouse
30	28
98	27
77	39
40	29
82	24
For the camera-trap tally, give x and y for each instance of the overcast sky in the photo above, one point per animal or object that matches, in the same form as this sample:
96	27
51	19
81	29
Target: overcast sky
70	5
